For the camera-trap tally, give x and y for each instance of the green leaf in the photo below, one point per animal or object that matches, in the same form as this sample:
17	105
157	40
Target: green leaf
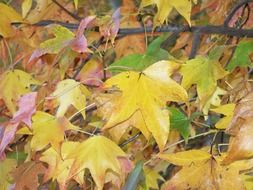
180	122
135	177
241	56
139	62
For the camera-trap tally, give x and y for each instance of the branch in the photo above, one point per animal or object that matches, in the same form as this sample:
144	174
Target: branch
66	10
234	10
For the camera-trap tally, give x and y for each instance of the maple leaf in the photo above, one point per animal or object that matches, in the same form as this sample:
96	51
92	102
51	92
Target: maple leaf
151	178
60	165
204	73
147	92
26	175
47	129
64	38
205	172
24	114
13	84
165	7
228	111
186	158
98	154
6	167
70	92
8	16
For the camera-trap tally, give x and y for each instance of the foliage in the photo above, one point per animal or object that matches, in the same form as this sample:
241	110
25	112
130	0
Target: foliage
145	94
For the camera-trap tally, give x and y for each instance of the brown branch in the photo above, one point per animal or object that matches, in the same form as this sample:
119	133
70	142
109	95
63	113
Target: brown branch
67	11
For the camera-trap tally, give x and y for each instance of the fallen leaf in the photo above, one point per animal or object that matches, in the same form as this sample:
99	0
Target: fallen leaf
144	92
151	178
70	92
26	175
13	84
204	73
98	154
228	111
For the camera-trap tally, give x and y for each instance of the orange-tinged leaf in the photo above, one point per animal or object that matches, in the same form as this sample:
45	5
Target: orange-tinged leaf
8	15
148	92
241	145
209	175
70	92
48	129
186	158
98	154
204	73
26	175
228	111
6	167
13	84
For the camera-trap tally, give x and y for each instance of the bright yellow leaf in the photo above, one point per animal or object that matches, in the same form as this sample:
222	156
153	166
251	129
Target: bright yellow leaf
204	73
13	84
164	8
214	100
151	179
8	16
70	92
186	158
228	111
47	129
59	165
26	6
99	155
6	167
147	92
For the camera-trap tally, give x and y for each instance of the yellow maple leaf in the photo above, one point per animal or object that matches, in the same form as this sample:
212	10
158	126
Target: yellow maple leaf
13	84
214	100
228	111
6	167
146	92
60	165
164	8
204	73
47	129
98	154
151	178
8	15
70	92
186	157
207	175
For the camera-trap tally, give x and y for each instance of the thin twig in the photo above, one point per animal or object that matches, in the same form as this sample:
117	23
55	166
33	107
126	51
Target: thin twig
131	139
67	11
234	10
